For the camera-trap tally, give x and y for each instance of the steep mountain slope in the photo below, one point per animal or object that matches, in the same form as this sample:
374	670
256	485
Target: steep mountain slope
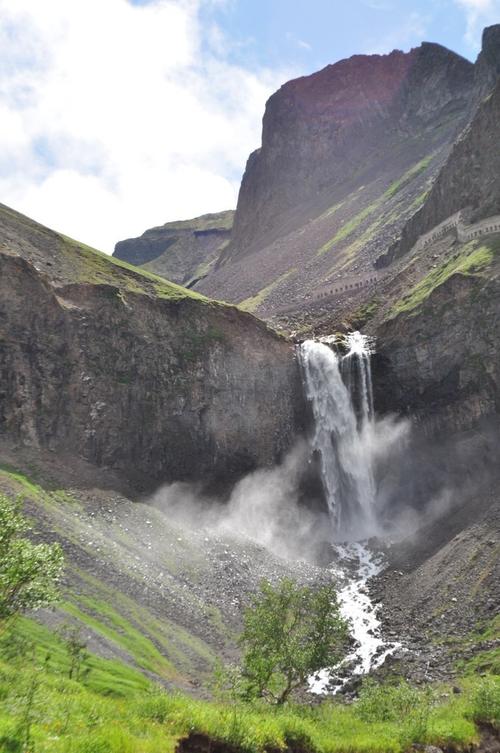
435	316
348	155
470	179
128	371
180	251
319	129
144	590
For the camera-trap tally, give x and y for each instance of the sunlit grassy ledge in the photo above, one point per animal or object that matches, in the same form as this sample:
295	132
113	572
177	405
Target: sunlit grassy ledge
75	262
472	260
96	267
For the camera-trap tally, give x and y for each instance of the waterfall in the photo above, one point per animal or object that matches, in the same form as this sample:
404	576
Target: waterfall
341	396
339	389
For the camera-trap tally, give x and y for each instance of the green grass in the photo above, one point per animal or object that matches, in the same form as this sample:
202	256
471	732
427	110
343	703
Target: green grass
419	200
116	710
331	210
252	304
365	312
20	479
93	266
483	661
81	263
103	619
158	646
349	227
472	260
106	676
413	172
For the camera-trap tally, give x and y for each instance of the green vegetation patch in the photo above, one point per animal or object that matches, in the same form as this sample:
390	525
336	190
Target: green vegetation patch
365	312
115	710
252	304
93	266
413	172
472	260
106	676
349	227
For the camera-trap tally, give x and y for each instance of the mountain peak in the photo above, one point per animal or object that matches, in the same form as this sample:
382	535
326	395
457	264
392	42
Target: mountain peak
320	130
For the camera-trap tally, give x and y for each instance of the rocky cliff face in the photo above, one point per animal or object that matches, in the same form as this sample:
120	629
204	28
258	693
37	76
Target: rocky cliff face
180	251
469	178
319	129
131	372
438	363
348	156
441	310
488	62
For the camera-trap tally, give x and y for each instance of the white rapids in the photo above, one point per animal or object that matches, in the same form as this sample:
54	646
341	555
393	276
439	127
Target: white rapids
356	565
341	396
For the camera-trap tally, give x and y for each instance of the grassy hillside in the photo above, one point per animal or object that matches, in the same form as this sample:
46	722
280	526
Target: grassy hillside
67	261
114	709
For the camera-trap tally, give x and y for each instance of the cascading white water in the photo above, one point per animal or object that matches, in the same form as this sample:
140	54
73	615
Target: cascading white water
341	396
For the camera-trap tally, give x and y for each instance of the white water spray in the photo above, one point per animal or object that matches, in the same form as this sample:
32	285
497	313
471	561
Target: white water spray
341	397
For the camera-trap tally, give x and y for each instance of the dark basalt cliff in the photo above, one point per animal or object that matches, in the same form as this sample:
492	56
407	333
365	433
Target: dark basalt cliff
180	251
438	333
348	156
133	373
469	178
320	129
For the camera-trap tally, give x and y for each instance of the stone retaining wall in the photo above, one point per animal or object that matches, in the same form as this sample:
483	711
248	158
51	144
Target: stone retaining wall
463	231
345	285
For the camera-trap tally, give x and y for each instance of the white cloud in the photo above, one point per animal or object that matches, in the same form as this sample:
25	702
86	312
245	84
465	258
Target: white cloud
478	14
115	117
411	32
300	43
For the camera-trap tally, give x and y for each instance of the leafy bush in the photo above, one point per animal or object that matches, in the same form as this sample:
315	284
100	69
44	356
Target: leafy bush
290	633
29	573
397	703
10	739
486	701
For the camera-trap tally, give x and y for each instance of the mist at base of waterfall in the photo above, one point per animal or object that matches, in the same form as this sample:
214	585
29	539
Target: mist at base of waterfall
355	451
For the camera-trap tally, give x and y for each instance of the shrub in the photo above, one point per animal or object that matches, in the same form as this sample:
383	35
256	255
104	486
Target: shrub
486	701
290	633
29	573
10	739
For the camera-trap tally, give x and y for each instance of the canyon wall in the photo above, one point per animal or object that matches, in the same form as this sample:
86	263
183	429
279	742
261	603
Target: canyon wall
180	251
132	373
320	129
470	178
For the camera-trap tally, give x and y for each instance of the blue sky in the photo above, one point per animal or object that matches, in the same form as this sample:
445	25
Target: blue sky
313	33
117	115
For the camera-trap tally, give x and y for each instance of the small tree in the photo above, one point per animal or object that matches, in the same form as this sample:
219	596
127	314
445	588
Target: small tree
29	573
290	633
76	648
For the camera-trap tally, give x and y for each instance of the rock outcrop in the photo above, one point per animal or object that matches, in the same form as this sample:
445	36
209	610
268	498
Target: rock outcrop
470	179
348	156
320	129
180	251
133	373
